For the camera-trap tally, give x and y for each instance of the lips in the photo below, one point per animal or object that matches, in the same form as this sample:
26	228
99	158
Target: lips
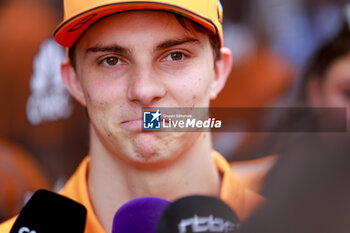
132	120
135	124
135	121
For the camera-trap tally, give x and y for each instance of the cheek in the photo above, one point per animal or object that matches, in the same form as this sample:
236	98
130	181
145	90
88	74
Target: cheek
192	88
101	90
102	101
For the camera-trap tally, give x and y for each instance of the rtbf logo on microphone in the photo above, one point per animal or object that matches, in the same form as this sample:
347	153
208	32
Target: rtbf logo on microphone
206	224
26	230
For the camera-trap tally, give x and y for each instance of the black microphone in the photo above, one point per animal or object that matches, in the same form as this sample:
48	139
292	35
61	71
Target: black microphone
48	212
139	215
195	214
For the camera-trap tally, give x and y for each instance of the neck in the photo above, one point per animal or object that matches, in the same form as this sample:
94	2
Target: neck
113	182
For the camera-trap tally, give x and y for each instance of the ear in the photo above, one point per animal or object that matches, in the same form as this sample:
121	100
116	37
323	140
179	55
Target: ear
314	95
72	82
222	69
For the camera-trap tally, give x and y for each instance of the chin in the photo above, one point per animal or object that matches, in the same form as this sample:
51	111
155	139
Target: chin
154	150
147	155
145	148
149	160
151	156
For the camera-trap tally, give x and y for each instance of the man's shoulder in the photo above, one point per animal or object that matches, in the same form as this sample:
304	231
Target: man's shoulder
252	172
6	226
233	192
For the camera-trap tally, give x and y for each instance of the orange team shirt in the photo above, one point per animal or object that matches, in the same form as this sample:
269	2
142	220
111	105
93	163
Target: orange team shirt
242	200
253	172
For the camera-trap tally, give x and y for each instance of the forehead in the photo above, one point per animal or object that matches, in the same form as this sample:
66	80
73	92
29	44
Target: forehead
137	27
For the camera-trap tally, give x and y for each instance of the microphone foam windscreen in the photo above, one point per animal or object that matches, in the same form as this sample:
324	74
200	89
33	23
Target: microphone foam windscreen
198	214
139	215
50	212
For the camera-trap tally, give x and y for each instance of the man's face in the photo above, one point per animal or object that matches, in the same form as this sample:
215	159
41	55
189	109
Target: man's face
142	59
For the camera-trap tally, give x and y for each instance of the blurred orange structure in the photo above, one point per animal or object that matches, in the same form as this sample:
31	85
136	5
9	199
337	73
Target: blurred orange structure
52	150
24	25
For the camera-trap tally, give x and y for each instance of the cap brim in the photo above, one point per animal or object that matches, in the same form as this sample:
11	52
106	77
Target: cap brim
69	31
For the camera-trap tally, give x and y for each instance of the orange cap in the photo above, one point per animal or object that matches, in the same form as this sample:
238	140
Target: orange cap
79	15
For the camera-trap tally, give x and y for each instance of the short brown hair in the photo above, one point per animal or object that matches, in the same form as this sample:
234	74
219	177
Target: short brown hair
187	24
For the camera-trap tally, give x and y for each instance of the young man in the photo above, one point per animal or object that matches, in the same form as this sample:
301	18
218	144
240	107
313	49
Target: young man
126	55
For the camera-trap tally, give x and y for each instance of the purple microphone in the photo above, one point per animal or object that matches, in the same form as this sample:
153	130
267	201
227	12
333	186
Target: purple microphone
139	215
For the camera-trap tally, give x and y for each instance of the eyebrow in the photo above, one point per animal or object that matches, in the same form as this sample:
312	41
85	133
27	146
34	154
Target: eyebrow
108	48
172	43
119	49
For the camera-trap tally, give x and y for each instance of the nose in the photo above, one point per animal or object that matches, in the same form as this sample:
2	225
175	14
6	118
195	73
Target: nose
145	87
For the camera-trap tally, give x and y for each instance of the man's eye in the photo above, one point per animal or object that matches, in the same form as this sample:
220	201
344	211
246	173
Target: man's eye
111	61
176	56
